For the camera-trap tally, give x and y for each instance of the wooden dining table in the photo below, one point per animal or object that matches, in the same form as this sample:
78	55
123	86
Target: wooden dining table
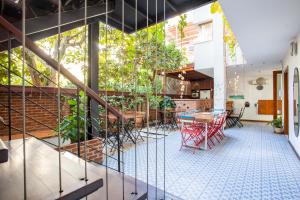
201	117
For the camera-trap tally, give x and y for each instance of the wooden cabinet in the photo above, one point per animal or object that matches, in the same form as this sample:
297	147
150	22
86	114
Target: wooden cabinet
266	107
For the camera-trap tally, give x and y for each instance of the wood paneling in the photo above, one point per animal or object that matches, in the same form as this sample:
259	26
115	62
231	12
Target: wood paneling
266	107
205	84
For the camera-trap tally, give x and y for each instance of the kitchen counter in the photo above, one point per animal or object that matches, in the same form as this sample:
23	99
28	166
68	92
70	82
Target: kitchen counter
190	104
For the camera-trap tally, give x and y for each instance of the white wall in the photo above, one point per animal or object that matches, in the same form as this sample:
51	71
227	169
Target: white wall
291	62
251	94
219	64
238	59
204	53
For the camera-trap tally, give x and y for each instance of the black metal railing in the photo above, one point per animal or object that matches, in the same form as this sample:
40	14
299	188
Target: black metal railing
114	143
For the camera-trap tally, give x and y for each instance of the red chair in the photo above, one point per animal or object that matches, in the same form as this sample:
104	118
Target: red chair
191	134
216	129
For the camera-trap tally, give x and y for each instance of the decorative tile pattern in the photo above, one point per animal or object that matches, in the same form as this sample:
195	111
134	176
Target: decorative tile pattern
250	163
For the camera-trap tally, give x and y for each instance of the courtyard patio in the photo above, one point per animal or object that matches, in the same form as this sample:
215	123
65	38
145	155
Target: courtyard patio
250	163
156	100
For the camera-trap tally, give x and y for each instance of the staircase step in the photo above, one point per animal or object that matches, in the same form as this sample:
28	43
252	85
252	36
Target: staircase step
83	191
42	174
114	183
3	152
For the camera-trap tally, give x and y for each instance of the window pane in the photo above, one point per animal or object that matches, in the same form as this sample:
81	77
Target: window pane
205	32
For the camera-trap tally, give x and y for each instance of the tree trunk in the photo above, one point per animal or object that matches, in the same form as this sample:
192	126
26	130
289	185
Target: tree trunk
30	60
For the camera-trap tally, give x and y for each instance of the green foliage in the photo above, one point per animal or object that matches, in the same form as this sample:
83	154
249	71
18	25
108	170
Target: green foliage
135	102
72	48
125	103
229	37
68	126
15	69
154	101
119	102
181	25
277	123
128	62
167	103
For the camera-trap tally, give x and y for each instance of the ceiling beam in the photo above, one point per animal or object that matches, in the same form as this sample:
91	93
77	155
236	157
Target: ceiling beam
171	5
120	23
71	19
141	13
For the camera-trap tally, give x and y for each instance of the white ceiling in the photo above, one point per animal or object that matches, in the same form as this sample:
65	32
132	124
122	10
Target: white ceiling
263	28
251	70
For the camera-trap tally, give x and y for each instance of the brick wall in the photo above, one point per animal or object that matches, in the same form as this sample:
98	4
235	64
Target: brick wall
94	150
191	32
35	113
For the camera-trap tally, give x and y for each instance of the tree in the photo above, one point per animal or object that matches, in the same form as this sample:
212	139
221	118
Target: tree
130	62
71	51
127	62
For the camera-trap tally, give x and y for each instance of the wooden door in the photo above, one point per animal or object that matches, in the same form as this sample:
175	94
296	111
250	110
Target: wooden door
286	102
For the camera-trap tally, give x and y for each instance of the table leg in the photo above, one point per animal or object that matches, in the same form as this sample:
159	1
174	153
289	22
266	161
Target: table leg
205	144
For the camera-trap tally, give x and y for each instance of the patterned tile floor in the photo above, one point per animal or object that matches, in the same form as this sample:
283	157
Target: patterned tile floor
250	163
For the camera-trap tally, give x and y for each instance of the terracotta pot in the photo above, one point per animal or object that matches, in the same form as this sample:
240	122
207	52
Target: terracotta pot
138	121
152	114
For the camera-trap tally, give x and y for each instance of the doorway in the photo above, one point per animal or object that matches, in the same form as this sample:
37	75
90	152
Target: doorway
277	94
286	101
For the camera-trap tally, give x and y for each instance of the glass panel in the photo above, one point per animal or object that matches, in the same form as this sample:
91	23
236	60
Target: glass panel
205	32
296	101
279	94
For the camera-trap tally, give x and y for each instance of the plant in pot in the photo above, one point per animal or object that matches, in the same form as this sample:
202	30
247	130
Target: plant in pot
69	126
134	105
153	106
167	104
277	125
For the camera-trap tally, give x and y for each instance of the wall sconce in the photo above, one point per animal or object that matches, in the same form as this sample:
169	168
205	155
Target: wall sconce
294	48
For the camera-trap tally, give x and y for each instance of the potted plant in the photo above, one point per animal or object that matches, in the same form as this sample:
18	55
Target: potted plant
69	124
133	106
277	125
167	104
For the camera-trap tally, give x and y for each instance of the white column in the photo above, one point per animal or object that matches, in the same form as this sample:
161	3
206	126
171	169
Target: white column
219	63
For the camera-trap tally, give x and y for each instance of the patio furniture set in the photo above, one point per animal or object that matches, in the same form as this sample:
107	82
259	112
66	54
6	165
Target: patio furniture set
134	124
201	129
198	129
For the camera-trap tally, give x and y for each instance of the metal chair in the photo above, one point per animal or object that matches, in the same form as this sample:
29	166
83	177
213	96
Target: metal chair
235	120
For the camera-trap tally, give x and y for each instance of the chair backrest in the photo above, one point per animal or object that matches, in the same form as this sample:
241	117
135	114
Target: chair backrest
218	121
186	123
241	112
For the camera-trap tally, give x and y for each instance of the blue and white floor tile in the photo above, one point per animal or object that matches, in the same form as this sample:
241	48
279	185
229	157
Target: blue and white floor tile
250	163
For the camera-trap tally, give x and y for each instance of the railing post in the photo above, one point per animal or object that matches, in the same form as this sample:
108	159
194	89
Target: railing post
78	121
9	86
119	144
